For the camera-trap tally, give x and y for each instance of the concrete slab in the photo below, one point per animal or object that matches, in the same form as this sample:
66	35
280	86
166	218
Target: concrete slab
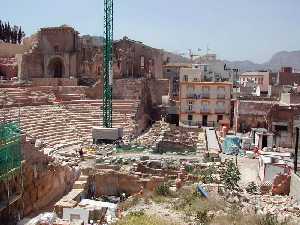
106	134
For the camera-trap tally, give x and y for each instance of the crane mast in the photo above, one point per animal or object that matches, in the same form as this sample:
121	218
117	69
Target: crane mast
108	63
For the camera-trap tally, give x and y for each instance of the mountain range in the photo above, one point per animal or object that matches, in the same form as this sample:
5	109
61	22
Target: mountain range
278	60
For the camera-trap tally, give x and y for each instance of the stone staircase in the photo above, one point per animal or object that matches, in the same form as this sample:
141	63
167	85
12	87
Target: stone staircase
22	96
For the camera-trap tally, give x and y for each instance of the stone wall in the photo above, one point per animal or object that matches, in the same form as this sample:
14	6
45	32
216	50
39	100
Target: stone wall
294	189
110	182
10	50
54	82
148	91
158	88
250	114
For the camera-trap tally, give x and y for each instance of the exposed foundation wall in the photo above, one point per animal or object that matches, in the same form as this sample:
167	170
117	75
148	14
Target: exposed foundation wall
44	181
13	186
110	182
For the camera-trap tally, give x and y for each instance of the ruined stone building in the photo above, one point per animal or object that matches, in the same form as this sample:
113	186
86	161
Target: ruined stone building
54	55
171	71
134	59
60	53
279	117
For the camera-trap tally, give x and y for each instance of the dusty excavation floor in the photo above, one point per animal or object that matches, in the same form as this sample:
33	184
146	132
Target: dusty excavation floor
164	187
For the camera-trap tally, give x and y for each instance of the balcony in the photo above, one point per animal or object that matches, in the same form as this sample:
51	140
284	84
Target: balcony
204	110
205	96
198	96
189	123
219	111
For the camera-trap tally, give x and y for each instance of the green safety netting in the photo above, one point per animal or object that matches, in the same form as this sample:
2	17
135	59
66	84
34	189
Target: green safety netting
10	148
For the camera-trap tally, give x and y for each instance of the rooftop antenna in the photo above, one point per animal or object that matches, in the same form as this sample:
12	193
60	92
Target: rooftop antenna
192	55
207	49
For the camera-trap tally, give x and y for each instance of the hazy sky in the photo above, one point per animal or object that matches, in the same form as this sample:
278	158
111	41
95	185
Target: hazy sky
234	29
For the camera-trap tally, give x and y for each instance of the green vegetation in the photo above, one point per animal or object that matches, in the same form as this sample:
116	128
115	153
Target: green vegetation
129	203
139	218
163	190
231	176
240	219
251	188
269	219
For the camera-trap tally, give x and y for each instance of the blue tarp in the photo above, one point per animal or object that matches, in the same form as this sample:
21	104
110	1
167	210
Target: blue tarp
231	145
201	191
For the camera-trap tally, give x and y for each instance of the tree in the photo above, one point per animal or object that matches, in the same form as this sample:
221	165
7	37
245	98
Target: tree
8	33
11	34
20	35
1	31
5	33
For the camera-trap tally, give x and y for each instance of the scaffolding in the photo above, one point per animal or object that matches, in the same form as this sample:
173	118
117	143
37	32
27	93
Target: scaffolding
11	175
10	149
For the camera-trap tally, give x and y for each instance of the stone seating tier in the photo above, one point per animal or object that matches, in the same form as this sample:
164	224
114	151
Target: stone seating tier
62	124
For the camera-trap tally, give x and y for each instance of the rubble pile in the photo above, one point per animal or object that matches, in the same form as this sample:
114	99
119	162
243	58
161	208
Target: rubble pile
154	135
283	206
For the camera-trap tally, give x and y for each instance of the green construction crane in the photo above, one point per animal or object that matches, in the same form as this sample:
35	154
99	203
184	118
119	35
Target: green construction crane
108	63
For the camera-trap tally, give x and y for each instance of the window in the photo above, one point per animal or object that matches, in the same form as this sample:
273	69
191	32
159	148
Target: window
205	92
220	107
56	48
186	78
190	105
195	79
221	92
190	117
205	107
142	61
220	117
281	128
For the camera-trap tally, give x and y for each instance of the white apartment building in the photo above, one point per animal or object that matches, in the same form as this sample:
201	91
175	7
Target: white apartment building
214	69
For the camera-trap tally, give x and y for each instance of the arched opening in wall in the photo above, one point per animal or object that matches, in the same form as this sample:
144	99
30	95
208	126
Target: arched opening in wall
56	68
